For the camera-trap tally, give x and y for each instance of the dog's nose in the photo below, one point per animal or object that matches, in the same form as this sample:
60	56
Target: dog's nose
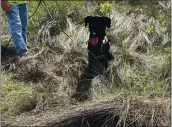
94	34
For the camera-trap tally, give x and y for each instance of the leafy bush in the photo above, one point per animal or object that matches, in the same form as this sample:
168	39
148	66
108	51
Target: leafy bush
106	8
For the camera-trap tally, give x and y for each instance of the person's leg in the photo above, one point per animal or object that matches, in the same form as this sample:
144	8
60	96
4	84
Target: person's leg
16	29
23	11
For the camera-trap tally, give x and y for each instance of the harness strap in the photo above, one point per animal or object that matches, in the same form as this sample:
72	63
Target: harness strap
105	40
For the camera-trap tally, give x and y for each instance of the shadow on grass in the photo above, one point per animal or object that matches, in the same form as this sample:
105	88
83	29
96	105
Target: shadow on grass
6	53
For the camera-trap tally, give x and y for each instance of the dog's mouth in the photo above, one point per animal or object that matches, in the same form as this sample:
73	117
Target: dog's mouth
94	40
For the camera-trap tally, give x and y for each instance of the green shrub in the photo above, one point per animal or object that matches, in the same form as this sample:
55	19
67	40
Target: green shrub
150	29
106	8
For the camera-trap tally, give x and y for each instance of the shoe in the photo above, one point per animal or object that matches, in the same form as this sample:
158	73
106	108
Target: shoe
25	54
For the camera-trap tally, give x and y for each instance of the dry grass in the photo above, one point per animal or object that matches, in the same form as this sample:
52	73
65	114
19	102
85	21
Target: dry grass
113	111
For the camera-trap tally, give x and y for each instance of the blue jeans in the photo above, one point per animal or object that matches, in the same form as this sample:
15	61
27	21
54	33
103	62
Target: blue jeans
17	21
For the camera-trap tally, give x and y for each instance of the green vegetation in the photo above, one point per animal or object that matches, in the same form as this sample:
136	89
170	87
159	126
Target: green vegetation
16	97
106	8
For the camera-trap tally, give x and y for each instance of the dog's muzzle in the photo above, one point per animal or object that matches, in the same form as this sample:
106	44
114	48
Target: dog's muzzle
94	39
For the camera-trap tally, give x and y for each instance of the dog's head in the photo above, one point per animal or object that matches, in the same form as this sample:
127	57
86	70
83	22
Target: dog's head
97	26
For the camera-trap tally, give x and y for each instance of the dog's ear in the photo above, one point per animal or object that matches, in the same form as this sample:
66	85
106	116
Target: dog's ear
108	22
87	20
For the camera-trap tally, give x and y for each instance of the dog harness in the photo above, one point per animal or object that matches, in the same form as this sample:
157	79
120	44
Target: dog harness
105	40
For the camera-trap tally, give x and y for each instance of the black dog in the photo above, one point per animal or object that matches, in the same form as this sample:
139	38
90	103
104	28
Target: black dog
98	53
98	45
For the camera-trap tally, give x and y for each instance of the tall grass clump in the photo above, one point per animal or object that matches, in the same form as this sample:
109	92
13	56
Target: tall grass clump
52	19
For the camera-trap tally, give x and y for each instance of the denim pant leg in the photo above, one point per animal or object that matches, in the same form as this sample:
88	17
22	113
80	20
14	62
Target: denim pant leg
24	20
15	28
